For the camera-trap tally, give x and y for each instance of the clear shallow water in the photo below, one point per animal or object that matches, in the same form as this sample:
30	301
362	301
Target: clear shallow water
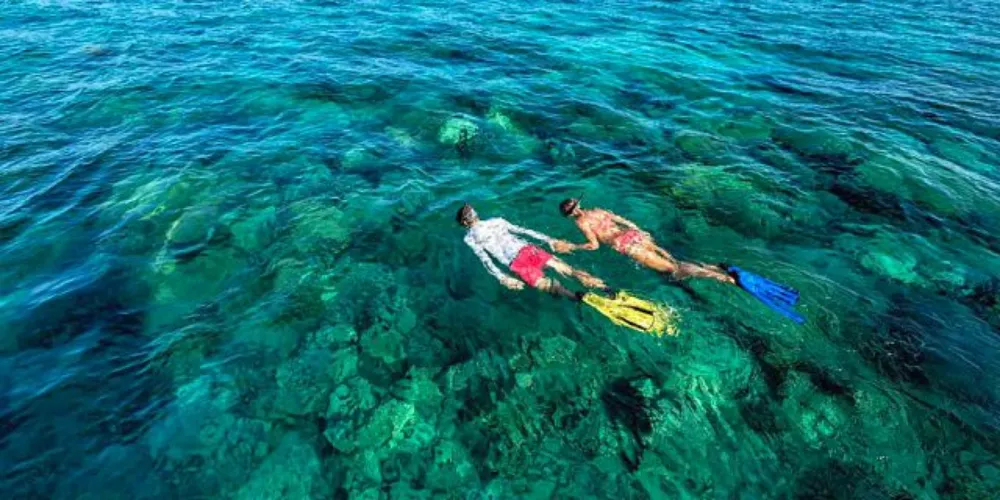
229	265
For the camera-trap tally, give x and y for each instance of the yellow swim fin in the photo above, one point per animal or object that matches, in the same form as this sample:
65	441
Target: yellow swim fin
637	314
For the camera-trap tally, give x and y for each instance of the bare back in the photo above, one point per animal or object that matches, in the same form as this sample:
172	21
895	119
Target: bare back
602	224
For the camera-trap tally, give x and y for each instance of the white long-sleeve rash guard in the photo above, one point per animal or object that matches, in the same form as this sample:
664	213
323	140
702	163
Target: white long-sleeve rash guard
495	237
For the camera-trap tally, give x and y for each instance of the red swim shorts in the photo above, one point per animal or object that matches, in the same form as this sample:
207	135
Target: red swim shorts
530	263
624	242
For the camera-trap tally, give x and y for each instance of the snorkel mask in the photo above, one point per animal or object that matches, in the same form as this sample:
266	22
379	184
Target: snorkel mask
568	206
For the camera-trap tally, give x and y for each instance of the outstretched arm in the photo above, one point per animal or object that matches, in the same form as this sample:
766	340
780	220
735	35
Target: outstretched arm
555	245
529	233
491	266
592	242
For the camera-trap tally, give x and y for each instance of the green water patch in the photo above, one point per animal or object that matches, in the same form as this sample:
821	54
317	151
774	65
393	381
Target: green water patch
231	268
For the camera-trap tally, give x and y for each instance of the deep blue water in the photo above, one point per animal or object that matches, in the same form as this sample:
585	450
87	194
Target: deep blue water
229	265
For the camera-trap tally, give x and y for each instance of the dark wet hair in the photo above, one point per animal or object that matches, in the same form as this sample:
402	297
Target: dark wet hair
465	214
568	206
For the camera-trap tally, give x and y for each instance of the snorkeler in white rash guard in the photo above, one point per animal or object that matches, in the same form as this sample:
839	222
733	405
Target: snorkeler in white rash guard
497	239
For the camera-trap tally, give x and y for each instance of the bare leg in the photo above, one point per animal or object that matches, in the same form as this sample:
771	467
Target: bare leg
553	287
584	278
654	257
688	269
660	251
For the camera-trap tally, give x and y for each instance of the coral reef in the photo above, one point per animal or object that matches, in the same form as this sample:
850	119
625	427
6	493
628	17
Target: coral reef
231	269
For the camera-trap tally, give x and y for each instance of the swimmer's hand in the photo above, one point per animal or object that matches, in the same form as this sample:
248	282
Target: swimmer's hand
560	246
512	283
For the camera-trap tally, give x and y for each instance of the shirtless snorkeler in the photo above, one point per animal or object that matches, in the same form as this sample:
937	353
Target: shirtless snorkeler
601	226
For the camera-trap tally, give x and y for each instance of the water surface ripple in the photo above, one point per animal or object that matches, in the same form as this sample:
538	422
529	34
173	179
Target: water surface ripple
229	267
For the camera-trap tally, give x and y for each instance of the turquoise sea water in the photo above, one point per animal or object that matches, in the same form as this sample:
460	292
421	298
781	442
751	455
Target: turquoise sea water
229	266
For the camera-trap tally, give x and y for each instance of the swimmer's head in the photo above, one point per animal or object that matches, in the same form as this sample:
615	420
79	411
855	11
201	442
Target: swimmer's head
570	207
467	216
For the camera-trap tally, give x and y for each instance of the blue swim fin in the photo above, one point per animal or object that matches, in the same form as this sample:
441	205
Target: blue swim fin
779	297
